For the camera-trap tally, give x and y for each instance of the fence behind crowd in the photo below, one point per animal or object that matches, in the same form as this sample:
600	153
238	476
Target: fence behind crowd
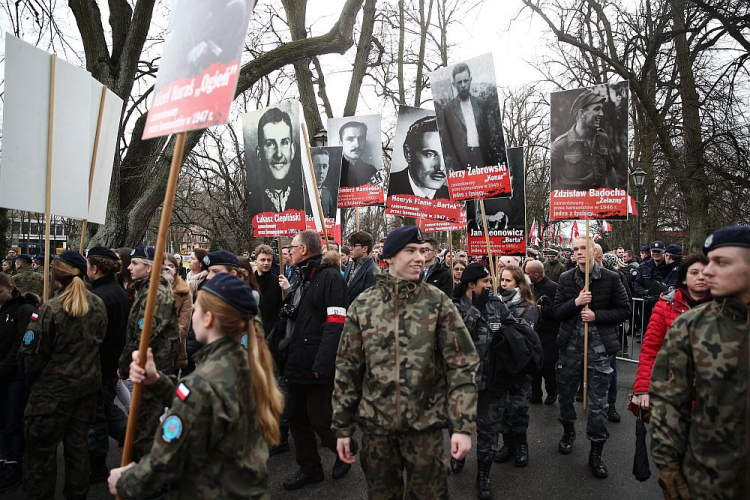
631	332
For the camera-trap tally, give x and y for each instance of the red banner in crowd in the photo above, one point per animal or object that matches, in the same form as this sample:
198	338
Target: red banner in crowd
603	203
273	224
361	196
409	205
502	242
483	182
330	225
435	226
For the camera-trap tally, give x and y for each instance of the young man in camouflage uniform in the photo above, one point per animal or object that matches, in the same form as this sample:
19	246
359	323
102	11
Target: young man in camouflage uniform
25	279
420	377
699	382
164	340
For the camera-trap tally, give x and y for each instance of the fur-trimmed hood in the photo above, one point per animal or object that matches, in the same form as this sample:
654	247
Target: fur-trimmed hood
331	258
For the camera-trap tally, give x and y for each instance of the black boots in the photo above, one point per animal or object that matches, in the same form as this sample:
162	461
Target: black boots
595	460
300	479
522	450
484	487
569	435
612	414
283	446
457	465
508	450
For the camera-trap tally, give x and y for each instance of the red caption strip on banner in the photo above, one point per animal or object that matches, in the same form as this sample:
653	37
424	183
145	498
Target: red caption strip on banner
484	182
601	203
503	242
272	224
409	205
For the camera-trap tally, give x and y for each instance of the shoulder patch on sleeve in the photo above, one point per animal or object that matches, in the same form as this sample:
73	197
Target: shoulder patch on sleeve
34	317
140	324
28	337
171	429
182	392
243	341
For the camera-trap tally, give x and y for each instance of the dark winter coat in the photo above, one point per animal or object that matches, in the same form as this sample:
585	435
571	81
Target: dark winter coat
316	330
270	300
648	272
548	326
609	301
117	304
440	276
15	315
363	278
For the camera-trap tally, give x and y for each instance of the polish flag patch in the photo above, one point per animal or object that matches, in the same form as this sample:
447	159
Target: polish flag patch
336	315
183	392
34	317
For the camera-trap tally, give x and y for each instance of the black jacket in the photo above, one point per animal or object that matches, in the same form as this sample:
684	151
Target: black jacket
363	279
117	304
270	300
15	316
316	330
440	276
548	326
608	301
648	272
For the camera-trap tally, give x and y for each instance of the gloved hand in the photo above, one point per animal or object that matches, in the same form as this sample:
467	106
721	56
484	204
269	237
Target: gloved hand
479	301
673	483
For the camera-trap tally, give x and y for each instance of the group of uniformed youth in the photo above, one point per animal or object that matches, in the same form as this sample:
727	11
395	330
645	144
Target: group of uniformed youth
324	350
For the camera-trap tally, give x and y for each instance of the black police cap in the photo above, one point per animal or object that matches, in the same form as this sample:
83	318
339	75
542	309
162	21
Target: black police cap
104	252
732	236
221	258
145	253
233	291
673	249
645	248
399	238
657	246
74	259
24	257
473	272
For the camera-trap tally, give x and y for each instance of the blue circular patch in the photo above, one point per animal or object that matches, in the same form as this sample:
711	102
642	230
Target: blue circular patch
243	341
171	429
28	337
140	324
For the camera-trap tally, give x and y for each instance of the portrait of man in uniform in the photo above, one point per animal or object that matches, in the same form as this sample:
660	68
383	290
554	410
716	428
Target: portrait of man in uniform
424	175
582	157
326	175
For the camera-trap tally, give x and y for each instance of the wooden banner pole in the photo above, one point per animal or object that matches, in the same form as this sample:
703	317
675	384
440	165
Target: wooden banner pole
356	217
315	185
48	187
586	325
281	258
148	318
92	169
493	269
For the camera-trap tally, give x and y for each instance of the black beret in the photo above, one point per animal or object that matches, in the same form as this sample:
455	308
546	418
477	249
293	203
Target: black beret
74	259
221	258
645	248
25	257
145	253
473	272
657	245
550	251
673	249
233	291
732	236
585	98
39	258
104	252
399	238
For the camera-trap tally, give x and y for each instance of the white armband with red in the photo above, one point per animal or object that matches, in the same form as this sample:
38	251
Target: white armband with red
336	315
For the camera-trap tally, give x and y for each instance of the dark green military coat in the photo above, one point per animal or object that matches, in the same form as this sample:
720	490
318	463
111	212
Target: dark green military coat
26	280
209	445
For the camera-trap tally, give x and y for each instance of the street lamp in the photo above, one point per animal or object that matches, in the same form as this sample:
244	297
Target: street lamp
320	139
639	177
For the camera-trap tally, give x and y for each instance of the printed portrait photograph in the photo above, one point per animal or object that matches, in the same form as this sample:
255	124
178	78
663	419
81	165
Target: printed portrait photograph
327	166
359	136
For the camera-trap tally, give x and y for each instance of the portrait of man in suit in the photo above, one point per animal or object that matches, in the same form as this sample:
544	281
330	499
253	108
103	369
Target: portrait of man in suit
354	170
425	174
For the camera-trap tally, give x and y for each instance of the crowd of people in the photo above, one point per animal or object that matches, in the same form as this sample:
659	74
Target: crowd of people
396	337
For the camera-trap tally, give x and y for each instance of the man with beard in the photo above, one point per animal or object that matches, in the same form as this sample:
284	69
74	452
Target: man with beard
425	172
581	158
280	186
321	164
354	170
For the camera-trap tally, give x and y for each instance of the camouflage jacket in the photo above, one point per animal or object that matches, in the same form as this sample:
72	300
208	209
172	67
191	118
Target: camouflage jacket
59	354
26	280
405	362
165	337
209	445
699	398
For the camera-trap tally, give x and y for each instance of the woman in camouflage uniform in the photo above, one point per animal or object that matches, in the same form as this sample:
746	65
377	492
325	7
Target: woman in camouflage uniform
213	441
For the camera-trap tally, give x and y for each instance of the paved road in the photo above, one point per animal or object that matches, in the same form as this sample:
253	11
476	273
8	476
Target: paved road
549	474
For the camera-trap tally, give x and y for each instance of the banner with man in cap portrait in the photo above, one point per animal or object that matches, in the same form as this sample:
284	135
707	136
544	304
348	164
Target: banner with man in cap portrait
589	153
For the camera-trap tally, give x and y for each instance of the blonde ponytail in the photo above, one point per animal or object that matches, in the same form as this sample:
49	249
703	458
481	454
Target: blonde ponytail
268	399
74	297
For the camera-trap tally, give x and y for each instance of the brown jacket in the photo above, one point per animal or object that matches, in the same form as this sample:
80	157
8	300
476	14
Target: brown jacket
183	302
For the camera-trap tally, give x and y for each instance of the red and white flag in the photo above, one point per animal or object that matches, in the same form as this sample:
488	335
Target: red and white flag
632	207
606	226
574	230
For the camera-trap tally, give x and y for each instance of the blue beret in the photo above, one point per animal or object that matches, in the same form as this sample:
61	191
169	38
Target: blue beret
25	257
221	258
673	249
399	238
586	98
145	253
104	252
74	259
233	291
732	236
658	246
39	257
473	272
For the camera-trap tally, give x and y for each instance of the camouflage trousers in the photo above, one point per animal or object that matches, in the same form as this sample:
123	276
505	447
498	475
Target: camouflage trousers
45	426
420	453
569	372
489	415
515	409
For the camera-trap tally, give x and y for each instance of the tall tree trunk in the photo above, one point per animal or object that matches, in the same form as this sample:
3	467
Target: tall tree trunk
360	60
400	63
424	26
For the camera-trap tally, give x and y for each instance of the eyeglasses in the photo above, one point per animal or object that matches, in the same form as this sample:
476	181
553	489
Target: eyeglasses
295	246
356	245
